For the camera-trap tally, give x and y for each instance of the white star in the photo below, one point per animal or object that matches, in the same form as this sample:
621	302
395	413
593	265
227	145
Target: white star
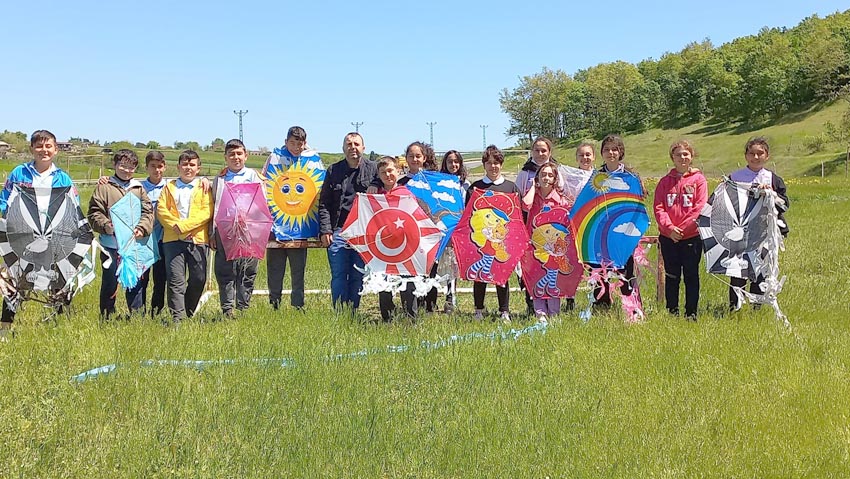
399	223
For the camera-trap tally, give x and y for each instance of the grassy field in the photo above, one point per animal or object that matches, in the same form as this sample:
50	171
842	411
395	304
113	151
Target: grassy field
728	396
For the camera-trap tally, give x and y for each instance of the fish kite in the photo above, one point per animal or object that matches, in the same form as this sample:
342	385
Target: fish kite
243	220
135	256
609	218
550	268
490	238
43	240
441	196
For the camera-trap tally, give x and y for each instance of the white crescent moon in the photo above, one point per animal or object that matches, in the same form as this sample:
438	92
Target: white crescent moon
391	252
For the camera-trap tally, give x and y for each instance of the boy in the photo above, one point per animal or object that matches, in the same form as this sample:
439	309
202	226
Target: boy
235	278
294	149
154	184
185	211
40	172
104	196
388	172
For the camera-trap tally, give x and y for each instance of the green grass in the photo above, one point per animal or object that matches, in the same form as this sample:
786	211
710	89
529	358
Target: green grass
728	396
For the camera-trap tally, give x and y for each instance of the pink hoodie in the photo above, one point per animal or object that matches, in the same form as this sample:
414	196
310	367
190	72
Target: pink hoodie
679	198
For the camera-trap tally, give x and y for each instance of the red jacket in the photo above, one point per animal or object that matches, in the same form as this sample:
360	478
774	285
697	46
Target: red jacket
679	199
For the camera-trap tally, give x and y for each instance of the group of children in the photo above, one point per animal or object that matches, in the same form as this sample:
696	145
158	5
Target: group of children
180	212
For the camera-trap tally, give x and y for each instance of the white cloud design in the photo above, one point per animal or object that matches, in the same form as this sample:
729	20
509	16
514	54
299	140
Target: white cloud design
616	184
441	196
419	184
450	184
628	229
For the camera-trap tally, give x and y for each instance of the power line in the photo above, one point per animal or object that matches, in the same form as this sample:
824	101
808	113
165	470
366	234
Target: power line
356	125
431	126
484	137
240	113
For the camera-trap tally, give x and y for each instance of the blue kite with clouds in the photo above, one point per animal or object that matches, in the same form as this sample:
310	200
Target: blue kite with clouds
440	195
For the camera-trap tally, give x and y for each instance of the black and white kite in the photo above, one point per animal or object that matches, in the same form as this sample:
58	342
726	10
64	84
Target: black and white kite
44	239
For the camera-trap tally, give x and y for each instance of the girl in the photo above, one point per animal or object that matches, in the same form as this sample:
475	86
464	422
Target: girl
757	154
613	152
492	160
678	200
585	156
544	192
453	164
541	153
419	156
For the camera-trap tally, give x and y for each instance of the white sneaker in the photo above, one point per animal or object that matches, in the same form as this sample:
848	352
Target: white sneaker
542	319
506	317
479	315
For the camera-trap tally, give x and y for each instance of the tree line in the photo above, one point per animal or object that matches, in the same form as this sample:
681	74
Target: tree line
750	79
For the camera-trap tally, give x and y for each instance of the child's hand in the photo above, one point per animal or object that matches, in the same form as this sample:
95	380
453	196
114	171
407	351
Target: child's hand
108	228
326	240
205	184
676	234
103	180
372	190
138	233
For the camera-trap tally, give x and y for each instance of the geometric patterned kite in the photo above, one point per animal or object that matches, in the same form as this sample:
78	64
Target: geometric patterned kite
734	226
43	247
392	234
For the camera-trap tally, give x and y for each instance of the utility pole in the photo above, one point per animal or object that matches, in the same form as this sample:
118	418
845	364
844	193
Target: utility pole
240	114
356	125
484	137
431	126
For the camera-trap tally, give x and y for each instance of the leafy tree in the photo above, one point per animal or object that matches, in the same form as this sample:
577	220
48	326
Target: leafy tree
217	145
152	145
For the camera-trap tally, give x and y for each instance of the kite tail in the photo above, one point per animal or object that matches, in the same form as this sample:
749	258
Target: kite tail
633	306
128	276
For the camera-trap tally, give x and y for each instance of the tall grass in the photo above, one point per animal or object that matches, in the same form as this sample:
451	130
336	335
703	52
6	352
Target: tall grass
729	396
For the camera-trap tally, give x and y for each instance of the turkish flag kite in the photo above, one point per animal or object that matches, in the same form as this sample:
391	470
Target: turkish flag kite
392	233
490	238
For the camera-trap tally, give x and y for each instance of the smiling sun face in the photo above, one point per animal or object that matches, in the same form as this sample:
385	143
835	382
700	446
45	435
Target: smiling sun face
292	194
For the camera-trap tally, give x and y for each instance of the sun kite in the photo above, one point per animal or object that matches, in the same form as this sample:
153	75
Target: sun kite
293	194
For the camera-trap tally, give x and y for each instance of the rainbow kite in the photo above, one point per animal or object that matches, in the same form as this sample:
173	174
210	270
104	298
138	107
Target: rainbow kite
609	218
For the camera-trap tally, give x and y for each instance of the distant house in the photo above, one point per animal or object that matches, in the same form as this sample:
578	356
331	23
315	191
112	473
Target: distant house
106	151
4	148
64	146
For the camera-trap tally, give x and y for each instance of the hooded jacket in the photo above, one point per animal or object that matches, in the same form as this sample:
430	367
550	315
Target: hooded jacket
678	201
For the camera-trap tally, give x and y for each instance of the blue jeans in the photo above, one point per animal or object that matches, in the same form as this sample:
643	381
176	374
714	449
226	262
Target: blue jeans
346	281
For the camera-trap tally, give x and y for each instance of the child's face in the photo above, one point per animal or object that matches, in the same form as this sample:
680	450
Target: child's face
189	169
546	177
453	164
585	157
611	154
757	156
388	175
415	159
43	153
124	170
682	159
155	169
540	152
296	147
236	157
493	168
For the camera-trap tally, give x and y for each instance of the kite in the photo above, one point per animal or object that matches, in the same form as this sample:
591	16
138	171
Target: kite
43	240
243	221
609	218
293	197
739	227
135	256
573	180
550	268
392	234
441	196
490	238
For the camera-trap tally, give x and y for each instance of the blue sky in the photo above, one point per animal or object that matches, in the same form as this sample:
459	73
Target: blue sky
176	70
